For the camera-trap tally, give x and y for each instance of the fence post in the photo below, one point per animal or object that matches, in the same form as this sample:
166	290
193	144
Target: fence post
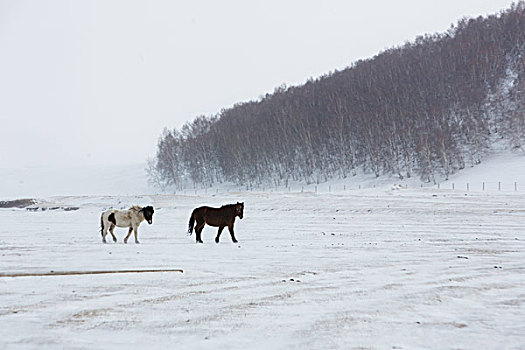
438	185
452	185
468	186
483	186
516	186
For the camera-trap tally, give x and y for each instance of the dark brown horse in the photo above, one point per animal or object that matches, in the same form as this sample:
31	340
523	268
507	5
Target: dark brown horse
218	217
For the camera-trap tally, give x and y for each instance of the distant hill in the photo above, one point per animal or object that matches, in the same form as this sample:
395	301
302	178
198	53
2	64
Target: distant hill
73	181
427	108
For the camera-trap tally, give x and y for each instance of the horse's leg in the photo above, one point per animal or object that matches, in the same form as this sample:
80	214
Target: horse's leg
230	228
111	228
198	230
136	232
129	234
219	234
104	233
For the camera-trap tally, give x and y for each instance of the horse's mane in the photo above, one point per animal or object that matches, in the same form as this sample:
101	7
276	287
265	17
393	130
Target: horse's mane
135	208
228	206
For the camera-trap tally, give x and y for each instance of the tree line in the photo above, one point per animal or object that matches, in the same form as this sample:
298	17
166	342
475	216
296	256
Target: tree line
427	108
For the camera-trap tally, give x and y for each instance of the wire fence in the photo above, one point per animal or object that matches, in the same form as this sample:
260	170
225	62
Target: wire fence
494	186
475	186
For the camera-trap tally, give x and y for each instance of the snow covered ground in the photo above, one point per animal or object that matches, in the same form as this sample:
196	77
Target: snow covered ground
379	268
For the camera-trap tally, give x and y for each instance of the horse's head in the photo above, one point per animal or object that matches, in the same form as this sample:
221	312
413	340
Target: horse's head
148	213
239	209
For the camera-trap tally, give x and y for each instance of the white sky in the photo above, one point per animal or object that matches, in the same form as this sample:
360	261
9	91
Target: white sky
95	82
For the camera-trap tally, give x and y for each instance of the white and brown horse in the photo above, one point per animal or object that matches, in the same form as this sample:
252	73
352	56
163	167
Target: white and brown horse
130	218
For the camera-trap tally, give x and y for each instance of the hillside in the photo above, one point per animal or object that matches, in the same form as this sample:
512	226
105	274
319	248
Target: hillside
425	110
500	166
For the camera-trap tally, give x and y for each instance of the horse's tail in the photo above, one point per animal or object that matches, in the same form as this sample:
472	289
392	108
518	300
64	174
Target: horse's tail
102	224
192	222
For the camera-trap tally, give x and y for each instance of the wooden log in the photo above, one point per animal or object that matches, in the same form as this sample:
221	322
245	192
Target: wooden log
73	273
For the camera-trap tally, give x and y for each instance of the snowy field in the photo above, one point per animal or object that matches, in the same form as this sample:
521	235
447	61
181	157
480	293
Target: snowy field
376	269
382	268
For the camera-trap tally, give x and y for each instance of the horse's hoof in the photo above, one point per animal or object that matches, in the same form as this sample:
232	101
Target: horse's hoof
200	242
216	240
137	242
125	241
235	241
115	240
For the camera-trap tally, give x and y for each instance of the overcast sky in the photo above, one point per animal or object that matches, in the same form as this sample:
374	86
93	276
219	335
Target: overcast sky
95	82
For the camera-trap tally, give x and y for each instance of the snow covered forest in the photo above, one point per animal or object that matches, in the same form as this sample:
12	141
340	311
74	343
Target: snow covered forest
427	108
